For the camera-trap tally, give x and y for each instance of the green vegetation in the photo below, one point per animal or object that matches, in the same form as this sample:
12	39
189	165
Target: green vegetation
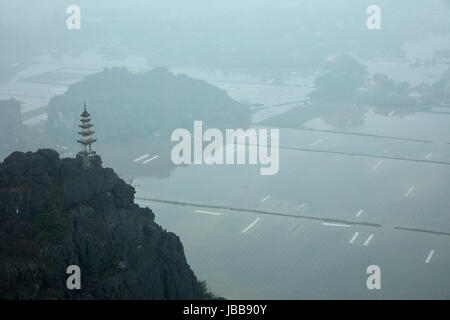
439	91
50	225
50	222
345	93
207	293
340	83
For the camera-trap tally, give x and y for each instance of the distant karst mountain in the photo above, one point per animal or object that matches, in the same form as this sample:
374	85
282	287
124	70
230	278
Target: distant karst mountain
56	212
11	127
131	106
14	135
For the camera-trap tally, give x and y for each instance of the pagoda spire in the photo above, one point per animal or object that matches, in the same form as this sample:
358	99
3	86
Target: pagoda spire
86	133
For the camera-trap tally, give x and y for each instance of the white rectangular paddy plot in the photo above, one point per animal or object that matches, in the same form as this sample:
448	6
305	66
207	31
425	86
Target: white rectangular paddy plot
141	157
337	225
366	243
212	213
251	225
151	159
430	255
354	237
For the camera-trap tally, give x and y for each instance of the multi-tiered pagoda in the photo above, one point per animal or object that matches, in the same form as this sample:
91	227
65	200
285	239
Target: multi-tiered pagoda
86	133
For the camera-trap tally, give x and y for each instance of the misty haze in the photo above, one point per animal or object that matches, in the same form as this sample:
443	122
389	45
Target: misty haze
324	149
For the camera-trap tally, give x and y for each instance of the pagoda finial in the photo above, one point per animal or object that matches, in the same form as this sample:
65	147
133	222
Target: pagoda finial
85	106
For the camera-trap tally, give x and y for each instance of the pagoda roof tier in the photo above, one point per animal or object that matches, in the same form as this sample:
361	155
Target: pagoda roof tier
86	141
87	153
85	119
86	125
86	133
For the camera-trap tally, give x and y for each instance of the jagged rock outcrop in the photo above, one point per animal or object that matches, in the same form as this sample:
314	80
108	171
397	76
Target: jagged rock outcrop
56	212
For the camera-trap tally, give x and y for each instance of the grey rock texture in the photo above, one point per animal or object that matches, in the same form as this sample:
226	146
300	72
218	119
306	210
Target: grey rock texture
58	212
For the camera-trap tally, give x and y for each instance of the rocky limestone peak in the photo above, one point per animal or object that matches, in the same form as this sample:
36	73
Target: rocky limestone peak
56	212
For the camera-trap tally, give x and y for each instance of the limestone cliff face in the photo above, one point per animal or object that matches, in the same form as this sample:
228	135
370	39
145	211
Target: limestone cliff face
55	213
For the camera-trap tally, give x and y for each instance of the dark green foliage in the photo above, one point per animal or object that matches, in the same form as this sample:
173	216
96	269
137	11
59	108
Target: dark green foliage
344	76
439	91
207	293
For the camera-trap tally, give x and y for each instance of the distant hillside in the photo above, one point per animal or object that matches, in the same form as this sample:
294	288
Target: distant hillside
55	213
128	106
11	128
14	135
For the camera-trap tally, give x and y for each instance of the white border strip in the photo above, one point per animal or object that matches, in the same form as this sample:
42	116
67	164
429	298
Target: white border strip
209	212
141	157
251	225
152	158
